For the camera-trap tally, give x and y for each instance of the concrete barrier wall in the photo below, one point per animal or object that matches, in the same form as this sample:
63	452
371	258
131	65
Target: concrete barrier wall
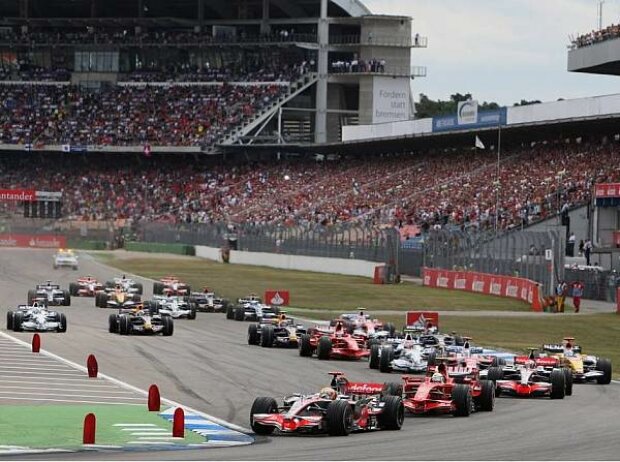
345	266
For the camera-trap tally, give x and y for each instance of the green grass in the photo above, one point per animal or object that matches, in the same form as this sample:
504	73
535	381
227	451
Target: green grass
61	426
309	290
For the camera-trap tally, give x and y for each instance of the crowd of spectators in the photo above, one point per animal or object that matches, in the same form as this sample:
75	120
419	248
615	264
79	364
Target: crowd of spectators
32	73
597	36
358	65
422	191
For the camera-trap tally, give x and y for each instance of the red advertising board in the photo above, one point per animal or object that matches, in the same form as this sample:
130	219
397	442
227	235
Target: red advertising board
603	190
40	241
492	284
277	297
421	319
25	195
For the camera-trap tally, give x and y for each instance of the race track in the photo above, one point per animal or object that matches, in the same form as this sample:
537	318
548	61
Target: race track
208	365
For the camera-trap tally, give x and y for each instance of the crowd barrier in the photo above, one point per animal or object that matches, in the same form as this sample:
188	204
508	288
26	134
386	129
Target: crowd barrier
179	249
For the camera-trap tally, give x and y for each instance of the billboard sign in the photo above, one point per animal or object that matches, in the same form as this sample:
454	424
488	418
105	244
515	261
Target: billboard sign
464	119
390	99
467	112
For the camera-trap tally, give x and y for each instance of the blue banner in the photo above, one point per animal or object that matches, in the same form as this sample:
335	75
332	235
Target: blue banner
485	119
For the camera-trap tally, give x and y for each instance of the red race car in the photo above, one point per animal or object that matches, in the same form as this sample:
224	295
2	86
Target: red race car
449	389
86	286
339	409
332	343
171	285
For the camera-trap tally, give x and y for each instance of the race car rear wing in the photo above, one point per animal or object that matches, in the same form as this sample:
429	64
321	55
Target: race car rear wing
45	286
540	361
559	348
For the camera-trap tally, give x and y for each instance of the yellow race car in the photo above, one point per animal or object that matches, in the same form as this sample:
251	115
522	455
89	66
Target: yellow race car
583	367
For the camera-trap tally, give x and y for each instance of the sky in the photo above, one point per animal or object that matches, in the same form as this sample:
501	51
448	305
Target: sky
502	50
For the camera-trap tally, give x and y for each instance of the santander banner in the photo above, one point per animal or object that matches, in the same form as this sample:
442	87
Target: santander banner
25	195
491	284
277	297
39	241
420	320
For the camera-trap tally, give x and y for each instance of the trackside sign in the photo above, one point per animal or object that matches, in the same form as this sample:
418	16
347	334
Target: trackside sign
35	241
22	195
277	297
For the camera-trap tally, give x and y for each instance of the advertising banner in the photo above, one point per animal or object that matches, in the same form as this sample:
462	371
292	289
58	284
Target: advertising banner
464	119
23	195
277	297
491	284
467	113
40	241
422	319
390	99
603	190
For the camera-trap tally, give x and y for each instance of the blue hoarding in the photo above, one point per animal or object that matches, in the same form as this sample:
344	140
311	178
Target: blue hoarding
485	119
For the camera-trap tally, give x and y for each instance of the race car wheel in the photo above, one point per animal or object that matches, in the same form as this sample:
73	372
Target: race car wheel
263	405
339	418
392	389
486	401
62	322
192	311
267	335
324	348
391	328
109	284
252	334
168	326
100	299
138	285
66	298
604	365
461	397
393	414
32	294
124	324
458	340
558	385
568	381
113	323
431	360
9	320
73	289
373	363
75	268
496	362
305	348
349	327
495	373
18	318
239	313
158	288
230	312
386	358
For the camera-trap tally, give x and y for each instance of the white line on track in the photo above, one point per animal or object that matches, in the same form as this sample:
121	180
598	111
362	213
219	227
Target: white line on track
145	429
69	401
67	394
75	380
172	438
63	382
39	388
39	368
62	374
134	425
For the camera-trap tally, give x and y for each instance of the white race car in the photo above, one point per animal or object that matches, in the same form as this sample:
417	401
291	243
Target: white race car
65	258
35	318
174	306
128	285
49	294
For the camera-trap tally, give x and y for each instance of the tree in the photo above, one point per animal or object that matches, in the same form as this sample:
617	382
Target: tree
524	102
426	107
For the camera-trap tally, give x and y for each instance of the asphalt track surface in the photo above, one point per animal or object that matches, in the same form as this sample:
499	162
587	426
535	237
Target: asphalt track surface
208	365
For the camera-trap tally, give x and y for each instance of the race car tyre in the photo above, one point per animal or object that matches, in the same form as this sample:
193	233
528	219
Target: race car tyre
568	381
192	311
339	418
138	285
461	397
158	288
32	294
392	389
604	365
324	348
75	268
263	405
100	300
62	322
349	327
486	401
558	385
458	340
113	323
9	320
168	326
252	334
188	289
431	360
391	328
393	414
66	301
230	312
109	284
136	298
495	373
276	310
386	358
305	348
496	362
18	319
239	313
373	362
267	335
73	289
124	324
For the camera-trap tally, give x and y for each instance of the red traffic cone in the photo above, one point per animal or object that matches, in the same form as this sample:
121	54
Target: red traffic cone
178	424
90	425
154	399
36	343
92	366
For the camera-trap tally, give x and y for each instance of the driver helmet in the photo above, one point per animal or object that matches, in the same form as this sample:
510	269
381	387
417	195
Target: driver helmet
437	378
206	290
531	364
328	393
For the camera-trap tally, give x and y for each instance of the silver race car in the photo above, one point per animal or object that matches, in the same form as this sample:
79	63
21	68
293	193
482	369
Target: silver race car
174	306
35	318
208	302
251	309
49	294
65	258
127	284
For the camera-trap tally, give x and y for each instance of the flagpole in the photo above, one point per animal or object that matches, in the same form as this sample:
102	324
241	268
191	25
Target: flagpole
497	184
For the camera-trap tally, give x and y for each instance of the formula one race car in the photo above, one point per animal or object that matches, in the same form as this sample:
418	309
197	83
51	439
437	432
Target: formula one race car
334	343
49	294
362	324
116	298
175	306
171	285
85	287
281	331
583	367
140	320
407	355
208	302
35	318
337	410
448	389
128	285
251	309
66	258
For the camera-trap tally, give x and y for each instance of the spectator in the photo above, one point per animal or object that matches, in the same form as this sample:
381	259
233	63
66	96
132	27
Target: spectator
587	250
578	288
581	247
570	245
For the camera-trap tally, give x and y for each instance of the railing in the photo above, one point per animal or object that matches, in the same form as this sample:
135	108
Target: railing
380	40
385	69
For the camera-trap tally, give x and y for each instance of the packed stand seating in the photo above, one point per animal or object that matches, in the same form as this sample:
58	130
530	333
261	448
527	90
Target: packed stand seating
122	116
434	189
32	73
356	66
597	36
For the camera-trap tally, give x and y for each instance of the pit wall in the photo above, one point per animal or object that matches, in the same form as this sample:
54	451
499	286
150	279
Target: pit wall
344	266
